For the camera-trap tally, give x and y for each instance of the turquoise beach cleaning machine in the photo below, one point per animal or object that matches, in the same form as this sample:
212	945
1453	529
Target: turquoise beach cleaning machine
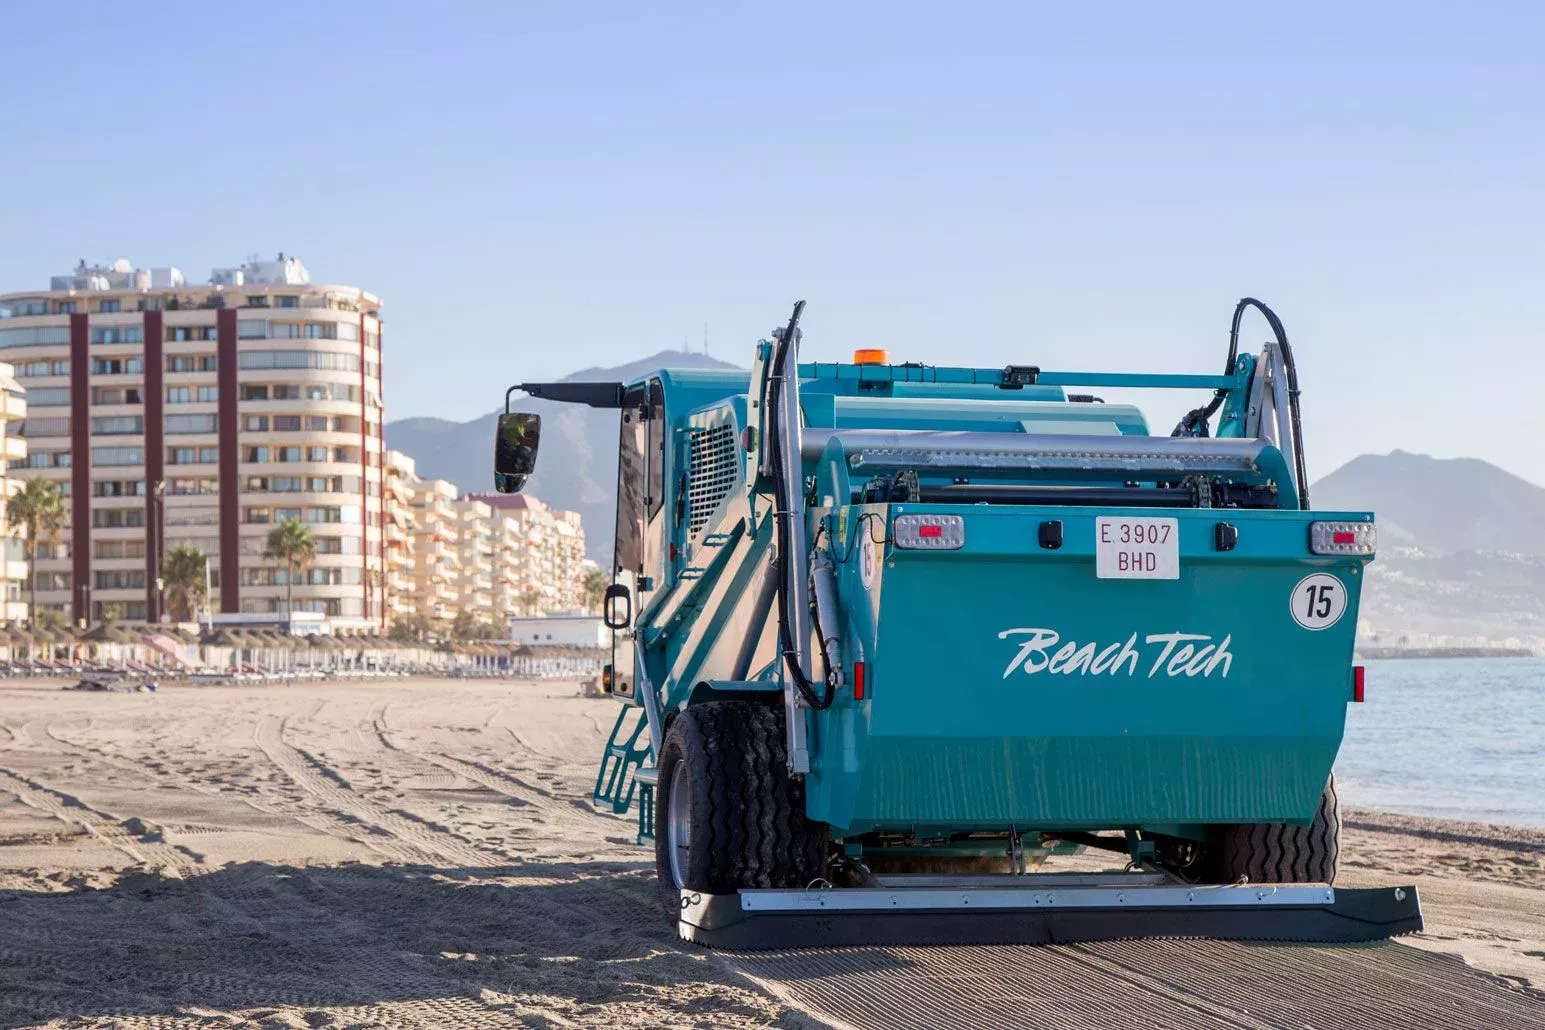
888	635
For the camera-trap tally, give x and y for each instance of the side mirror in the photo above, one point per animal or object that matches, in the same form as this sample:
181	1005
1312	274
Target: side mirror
612	616
515	444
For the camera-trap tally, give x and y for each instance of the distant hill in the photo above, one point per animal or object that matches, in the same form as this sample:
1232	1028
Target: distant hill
1460	548
577	467
1441	505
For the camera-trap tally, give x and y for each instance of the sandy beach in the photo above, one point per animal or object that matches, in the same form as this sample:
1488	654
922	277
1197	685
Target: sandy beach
424	854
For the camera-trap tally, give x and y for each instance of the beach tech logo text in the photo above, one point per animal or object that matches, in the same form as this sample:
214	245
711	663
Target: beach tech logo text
1176	654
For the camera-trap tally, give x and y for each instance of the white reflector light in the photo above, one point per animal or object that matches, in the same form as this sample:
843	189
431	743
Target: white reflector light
1342	537
929	532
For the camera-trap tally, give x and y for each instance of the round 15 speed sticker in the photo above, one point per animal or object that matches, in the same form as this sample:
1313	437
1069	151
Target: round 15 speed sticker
1318	601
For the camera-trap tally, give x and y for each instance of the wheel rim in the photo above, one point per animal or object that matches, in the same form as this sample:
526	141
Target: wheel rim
678	825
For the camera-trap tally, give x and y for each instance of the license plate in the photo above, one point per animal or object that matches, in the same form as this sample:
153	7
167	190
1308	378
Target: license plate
1136	548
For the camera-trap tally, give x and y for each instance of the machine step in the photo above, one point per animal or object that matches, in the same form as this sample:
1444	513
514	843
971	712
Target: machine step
1039	913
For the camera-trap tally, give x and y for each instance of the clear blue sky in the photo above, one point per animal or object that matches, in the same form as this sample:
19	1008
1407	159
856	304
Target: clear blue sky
536	188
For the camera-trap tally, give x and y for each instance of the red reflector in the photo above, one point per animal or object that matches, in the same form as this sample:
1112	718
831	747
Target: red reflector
1357	683
930	532
859	681
1343	537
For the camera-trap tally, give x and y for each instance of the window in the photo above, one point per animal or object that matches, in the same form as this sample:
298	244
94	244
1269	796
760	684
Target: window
178	395
119	549
43	334
117	334
254	392
208	394
118	488
192	363
177	424
22	308
326	361
316	453
259	515
115	395
208	455
283	331
131	611
188	487
120	579
117	425
256	423
33	369
257	454
48	396
258	301
192	516
289	392
44	460
117	518
184	333
36	427
251	329
319	423
286	423
102	457
108	307
66	307
293	514
117	366
287	453
286	301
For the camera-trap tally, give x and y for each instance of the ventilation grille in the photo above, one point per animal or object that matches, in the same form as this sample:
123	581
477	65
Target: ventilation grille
712	467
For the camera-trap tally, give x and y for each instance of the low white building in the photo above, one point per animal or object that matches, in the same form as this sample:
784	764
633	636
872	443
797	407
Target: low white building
570	630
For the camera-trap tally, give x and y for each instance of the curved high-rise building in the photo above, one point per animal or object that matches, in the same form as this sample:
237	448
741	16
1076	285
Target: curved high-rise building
204	414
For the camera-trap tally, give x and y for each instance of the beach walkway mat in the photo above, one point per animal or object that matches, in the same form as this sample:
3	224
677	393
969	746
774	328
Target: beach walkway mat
1138	984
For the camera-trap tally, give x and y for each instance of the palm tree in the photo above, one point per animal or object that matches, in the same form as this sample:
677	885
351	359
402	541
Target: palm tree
592	587
291	544
39	509
530	598
182	570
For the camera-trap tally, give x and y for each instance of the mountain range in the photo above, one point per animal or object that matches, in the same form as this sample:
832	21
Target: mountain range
1461	541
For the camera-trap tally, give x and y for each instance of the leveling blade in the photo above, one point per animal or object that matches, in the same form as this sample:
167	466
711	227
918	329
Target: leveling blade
756	920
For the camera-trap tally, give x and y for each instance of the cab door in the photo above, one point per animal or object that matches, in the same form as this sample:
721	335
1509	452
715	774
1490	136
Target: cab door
636	561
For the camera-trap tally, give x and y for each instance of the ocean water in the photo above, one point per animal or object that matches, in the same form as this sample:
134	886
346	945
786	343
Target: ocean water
1461	738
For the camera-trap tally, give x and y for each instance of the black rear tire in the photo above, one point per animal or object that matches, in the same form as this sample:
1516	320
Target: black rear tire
1279	852
747	825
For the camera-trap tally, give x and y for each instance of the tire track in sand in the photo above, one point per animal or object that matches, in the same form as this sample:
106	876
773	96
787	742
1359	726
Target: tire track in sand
142	848
426	842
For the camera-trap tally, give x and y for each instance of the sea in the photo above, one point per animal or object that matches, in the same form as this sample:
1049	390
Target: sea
1458	738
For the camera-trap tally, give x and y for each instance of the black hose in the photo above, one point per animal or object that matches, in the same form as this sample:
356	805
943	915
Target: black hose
783	508
1291	368
1194	423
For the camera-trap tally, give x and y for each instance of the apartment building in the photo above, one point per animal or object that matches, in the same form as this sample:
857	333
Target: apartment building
490	554
436	549
547	556
401	529
171	412
13	446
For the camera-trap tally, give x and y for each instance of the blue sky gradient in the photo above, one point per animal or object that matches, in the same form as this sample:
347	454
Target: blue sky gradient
536	188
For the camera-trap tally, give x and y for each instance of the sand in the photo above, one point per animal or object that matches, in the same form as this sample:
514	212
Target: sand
423	854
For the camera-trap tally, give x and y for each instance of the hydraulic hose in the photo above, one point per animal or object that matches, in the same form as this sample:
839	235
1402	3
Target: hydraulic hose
1300	470
1195	422
784	510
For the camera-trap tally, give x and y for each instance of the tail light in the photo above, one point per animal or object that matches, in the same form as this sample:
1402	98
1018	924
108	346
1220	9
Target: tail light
929	532
1357	683
1342	537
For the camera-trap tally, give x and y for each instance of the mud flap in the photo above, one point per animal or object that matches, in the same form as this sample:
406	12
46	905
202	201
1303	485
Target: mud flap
755	920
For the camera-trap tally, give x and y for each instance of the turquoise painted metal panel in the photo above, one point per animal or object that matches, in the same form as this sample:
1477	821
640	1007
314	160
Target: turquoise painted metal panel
1009	686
